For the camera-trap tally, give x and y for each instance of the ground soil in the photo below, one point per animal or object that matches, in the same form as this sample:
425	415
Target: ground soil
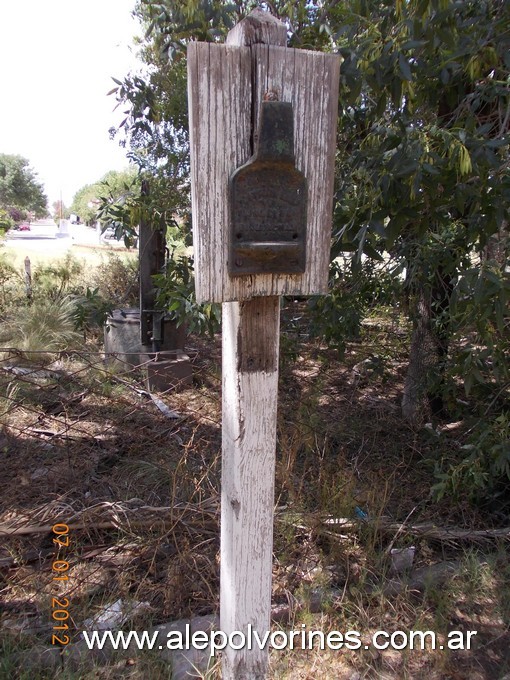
82	446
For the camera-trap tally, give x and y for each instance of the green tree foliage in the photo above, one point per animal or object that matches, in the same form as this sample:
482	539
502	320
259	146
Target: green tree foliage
156	131
123	209
6	221
425	122
19	186
116	184
423	171
85	203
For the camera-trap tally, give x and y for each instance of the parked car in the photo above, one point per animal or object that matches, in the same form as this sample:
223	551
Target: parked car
109	232
24	226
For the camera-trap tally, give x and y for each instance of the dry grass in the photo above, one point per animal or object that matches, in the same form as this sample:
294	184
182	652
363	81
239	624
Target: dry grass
89	256
140	494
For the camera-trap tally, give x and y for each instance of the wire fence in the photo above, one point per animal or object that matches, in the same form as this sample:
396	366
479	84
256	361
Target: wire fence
133	475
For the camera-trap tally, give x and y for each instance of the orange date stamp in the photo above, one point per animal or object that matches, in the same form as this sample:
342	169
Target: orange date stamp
60	569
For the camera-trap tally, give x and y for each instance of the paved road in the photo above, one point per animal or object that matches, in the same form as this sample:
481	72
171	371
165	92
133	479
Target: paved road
45	237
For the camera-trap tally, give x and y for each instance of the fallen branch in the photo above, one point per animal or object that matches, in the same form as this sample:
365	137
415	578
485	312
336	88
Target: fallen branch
26	558
32	372
52	433
430	531
426	530
116	516
79	526
130	514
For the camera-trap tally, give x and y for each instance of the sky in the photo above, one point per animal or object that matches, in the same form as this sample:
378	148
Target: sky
57	60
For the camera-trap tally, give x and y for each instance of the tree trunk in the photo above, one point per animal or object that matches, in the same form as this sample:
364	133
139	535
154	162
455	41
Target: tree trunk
422	359
424	382
497	246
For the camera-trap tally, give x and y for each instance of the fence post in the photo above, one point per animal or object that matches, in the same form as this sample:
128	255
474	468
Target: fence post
28	278
261	229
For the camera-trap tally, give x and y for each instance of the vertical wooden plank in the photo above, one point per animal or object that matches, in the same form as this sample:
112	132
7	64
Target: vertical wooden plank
219	91
250	341
221	79
28	278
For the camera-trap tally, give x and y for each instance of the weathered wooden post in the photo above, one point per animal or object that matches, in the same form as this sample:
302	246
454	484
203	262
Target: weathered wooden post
263	128
28	278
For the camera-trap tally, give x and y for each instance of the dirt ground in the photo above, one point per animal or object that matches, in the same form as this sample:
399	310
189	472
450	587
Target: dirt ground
83	446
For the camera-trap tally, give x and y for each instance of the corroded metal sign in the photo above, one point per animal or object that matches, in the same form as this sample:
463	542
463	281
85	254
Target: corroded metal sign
268	199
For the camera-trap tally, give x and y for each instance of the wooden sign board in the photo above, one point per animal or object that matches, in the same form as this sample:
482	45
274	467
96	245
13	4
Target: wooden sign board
226	87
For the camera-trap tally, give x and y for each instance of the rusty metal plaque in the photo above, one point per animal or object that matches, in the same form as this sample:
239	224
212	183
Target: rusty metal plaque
268	201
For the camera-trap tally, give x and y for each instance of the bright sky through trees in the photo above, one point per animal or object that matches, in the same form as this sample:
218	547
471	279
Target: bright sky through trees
57	59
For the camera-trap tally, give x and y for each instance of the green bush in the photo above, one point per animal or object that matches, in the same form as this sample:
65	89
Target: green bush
57	279
6	221
10	280
176	294
480	362
91	311
481	467
116	280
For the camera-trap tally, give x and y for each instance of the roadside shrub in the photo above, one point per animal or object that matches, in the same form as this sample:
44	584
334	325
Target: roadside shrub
176	293
58	279
6	221
115	280
9	280
17	215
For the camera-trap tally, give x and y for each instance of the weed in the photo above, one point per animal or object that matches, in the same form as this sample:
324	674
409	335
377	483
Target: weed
115	280
10	279
46	326
54	280
9	399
